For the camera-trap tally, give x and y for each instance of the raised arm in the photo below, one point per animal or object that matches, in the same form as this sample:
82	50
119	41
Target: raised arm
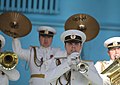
22	53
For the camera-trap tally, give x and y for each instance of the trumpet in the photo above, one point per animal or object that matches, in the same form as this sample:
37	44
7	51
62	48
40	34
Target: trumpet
78	65
8	60
82	67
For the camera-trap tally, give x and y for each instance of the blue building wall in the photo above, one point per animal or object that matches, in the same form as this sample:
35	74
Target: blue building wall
106	12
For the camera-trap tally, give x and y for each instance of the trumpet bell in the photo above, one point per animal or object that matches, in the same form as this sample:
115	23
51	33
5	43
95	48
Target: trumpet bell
82	67
8	60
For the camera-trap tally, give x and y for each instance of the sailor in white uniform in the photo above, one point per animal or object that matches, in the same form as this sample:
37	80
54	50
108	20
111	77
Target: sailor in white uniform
113	46
67	70
38	57
6	75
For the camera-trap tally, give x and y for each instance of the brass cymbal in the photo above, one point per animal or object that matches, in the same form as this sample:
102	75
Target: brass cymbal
84	23
15	24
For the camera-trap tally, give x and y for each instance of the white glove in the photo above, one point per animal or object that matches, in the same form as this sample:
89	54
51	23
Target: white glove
73	58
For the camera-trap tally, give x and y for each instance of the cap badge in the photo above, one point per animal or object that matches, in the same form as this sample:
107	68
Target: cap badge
46	32
73	36
115	43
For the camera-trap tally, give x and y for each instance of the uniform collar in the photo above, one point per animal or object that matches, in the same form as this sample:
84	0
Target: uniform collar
48	48
109	62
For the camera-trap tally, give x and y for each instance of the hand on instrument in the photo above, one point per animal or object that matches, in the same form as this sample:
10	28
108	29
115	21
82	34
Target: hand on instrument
73	58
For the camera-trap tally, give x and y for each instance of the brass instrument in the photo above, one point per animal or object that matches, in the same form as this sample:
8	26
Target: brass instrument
113	72
82	67
8	60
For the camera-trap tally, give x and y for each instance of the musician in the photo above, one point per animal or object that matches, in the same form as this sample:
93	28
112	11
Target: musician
6	75
113	46
38	57
66	71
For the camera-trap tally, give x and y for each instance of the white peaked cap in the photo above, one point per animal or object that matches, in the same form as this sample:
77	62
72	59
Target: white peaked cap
48	28
73	32
112	42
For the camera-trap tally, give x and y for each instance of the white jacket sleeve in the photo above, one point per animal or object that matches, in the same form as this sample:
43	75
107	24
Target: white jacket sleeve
58	71
100	67
92	74
22	53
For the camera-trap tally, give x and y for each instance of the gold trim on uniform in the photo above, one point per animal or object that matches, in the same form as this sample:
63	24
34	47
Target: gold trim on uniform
38	76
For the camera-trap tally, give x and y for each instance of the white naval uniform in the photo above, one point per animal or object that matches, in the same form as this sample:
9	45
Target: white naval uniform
90	78
3	79
101	66
28	55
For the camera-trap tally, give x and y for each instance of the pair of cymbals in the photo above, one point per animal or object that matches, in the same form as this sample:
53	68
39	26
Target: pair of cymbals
15	24
84	23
